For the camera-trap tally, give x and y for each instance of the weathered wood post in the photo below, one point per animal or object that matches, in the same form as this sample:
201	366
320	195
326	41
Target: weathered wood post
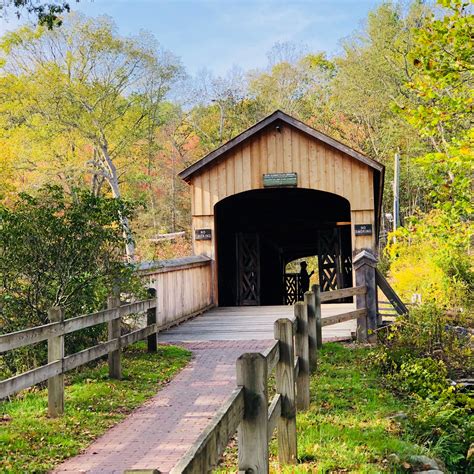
302	351
152	340
55	352
310	301
364	266
253	429
285	386
115	364
316	289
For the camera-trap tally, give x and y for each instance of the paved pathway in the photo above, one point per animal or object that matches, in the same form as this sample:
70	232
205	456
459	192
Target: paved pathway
158	434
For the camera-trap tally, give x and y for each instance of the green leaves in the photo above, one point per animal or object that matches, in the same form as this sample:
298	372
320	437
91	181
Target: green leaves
59	250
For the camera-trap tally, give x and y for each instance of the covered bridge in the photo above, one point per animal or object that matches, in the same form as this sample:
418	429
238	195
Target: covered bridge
279	191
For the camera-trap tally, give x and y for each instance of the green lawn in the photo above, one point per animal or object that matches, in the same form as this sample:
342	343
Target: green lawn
348	427
32	442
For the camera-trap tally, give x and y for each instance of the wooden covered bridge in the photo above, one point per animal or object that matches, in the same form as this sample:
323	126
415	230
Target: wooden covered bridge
277	192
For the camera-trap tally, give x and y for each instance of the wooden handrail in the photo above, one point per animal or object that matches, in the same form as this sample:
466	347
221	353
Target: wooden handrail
36	334
342	293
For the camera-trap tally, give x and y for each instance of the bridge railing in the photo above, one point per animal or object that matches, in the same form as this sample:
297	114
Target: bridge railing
183	286
293	356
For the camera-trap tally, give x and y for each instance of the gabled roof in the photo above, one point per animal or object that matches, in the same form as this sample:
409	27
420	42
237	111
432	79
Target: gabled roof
277	116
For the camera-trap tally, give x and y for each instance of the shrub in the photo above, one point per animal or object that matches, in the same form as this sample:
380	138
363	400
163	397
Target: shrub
58	250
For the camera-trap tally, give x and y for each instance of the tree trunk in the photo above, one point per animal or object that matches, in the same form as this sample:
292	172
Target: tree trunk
110	174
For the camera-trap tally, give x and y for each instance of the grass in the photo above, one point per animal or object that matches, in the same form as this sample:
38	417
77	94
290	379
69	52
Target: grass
349	426
32	442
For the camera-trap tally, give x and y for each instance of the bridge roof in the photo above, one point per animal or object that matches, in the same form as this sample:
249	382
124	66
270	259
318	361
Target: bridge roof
277	117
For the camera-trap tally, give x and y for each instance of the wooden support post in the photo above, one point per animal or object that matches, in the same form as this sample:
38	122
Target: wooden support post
302	351
253	429
285	385
316	289
55	352
115	364
364	266
151	319
310	302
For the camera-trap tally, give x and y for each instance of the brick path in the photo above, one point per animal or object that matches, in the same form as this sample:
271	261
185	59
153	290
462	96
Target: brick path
158	434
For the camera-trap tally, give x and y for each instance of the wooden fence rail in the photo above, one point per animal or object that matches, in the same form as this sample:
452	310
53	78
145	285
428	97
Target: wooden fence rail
293	356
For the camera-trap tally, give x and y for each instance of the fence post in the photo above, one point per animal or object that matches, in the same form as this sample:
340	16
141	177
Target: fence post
55	352
364	266
285	386
316	289
310	302
253	429
151	319
115	364
302	351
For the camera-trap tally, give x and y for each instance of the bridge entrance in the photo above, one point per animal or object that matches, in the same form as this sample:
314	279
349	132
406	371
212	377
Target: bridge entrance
280	191
258	232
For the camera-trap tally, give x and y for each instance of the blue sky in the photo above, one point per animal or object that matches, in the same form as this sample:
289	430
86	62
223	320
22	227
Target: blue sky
218	34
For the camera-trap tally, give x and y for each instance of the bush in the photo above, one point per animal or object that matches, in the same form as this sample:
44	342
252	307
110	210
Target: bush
428	332
418	355
58	250
422	377
446	428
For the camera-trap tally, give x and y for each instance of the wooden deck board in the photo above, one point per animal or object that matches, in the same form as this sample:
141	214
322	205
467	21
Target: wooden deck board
250	323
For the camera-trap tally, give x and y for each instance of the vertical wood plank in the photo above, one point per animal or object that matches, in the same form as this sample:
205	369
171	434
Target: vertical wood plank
280	167
285	385
230	175
197	181
330	170
206	193
151	319
310	301
302	351
238	184
255	163
253	429
313	164
271	150
290	145
221	180
347	178
115	364
304	161
55	352
263	153
338	174
316	289
246	168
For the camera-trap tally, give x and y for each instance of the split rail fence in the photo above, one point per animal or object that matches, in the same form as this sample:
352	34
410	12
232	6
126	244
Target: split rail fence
189	277
293	356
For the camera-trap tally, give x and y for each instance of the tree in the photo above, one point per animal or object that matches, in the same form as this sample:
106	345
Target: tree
59	250
48	13
369	87
84	86
443	85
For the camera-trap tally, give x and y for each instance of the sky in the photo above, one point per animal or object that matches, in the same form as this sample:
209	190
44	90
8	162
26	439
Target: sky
217	35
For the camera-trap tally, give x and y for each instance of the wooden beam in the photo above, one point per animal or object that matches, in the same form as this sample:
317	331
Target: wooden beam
285	385
204	453
342	293
253	430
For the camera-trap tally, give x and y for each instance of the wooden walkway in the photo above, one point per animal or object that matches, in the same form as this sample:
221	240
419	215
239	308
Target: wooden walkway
251	323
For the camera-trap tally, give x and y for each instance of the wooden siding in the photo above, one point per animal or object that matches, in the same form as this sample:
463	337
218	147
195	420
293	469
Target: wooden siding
318	166
181	291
